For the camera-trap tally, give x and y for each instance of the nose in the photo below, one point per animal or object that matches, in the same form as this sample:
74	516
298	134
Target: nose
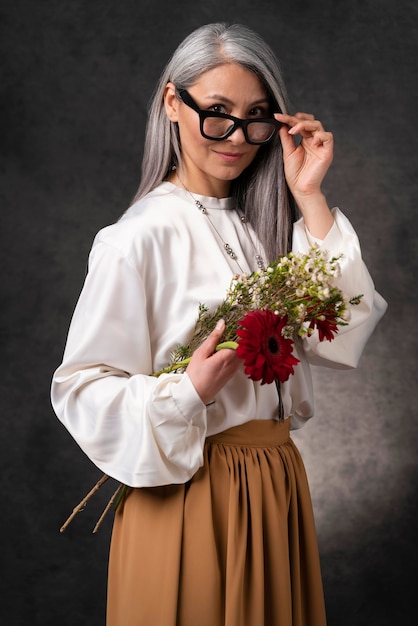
237	136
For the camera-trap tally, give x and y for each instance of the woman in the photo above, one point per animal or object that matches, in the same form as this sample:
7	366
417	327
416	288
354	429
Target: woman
218	528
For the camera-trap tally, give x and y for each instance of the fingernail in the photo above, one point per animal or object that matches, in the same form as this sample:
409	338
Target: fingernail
219	324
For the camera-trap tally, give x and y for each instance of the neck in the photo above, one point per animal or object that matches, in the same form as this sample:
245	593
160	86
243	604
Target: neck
209	188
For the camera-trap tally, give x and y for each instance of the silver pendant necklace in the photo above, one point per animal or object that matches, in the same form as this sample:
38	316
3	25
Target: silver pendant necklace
226	246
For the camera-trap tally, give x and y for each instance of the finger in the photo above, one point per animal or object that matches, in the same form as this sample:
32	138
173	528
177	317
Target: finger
208	346
322	138
304	116
291	120
306	127
302	124
288	144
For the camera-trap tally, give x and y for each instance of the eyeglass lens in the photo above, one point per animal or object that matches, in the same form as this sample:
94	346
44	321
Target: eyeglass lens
217	127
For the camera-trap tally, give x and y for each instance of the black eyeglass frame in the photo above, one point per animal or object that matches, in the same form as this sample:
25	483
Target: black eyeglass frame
237	122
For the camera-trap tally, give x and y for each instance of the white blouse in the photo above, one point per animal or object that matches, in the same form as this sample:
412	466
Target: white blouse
147	275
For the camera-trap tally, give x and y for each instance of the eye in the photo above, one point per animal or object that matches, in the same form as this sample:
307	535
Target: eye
259	111
217	108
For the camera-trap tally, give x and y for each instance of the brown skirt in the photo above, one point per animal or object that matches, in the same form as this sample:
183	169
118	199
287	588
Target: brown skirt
235	546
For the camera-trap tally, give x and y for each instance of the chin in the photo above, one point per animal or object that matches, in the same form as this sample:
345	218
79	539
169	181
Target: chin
230	173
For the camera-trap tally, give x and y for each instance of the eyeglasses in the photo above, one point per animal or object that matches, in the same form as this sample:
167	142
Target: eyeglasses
219	126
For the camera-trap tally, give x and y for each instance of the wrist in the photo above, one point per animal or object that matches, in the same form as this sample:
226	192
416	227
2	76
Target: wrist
310	200
316	213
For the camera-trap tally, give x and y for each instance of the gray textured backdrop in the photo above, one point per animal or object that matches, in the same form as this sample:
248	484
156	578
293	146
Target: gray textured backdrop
76	81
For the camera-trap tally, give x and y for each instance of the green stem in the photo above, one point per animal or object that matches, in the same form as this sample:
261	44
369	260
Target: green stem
172	368
232	345
121	494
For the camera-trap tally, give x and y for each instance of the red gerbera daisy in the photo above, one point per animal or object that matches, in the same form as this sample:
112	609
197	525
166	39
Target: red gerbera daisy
267	355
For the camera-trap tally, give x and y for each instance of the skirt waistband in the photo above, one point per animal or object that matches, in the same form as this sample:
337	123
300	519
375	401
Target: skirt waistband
256	433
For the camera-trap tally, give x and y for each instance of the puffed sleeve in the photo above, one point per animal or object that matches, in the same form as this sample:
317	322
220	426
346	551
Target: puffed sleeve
346	348
139	429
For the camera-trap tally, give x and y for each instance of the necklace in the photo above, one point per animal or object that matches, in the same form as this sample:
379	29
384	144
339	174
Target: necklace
226	246
230	252
260	262
259	259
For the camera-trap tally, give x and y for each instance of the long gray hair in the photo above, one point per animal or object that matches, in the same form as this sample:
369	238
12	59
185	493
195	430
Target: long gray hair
260	191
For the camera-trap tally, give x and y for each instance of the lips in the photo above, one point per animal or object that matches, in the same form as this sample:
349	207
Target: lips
230	157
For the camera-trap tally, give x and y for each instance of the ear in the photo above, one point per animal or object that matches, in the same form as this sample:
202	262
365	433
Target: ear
171	102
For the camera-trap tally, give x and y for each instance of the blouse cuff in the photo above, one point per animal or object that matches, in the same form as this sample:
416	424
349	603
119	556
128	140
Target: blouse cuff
187	399
334	239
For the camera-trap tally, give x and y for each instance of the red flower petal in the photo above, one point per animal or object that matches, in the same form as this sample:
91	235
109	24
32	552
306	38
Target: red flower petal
327	327
267	355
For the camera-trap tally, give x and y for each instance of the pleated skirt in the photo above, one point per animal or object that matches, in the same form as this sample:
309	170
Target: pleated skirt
235	546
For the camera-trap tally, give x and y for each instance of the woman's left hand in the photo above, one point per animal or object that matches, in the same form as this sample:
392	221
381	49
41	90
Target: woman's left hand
306	164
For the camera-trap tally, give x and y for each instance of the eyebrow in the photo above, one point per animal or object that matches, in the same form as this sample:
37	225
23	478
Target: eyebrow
220	98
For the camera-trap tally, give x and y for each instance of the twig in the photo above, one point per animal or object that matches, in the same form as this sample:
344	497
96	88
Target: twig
84	501
109	504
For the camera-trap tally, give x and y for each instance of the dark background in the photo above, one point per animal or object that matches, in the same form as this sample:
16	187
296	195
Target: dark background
76	80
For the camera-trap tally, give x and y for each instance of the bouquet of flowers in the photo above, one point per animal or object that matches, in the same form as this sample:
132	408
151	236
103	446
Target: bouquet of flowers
264	312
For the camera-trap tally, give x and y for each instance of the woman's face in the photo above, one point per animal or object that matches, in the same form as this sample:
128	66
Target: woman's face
209	166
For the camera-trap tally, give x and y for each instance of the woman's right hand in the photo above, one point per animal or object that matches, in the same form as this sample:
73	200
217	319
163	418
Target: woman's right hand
208	370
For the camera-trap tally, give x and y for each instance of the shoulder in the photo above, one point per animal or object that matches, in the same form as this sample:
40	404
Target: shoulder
148	223
159	209
158	203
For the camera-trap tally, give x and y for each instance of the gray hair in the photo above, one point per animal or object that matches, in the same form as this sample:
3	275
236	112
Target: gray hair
260	191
